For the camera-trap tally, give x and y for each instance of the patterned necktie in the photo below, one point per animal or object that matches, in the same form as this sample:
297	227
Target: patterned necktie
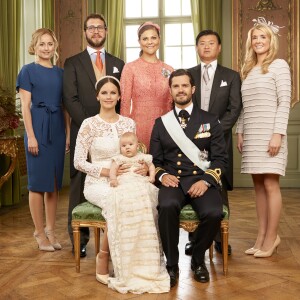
99	63
205	74
184	117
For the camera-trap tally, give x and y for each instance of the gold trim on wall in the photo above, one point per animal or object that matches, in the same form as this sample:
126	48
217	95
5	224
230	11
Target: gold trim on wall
285	13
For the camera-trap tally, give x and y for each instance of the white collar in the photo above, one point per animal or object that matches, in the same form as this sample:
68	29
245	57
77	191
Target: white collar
91	50
213	65
188	109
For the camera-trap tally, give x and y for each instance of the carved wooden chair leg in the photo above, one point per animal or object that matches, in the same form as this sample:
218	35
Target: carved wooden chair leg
97	239
76	238
224	233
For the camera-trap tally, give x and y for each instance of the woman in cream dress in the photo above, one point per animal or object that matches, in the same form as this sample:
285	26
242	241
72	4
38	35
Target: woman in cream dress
131	222
261	129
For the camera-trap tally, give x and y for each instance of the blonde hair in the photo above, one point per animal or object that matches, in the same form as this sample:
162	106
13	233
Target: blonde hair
250	59
127	135
36	36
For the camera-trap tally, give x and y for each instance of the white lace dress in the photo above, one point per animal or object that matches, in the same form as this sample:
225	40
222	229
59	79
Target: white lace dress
129	209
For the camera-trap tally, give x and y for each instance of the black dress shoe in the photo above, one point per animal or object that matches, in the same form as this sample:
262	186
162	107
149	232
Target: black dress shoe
218	248
201	274
189	248
174	274
82	250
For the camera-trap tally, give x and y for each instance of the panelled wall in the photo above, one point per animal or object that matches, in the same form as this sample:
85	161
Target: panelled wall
32	20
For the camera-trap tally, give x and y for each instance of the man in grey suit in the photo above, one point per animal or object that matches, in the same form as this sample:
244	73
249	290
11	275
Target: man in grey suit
81	72
218	91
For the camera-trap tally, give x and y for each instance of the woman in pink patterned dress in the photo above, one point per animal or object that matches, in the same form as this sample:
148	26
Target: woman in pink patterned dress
144	84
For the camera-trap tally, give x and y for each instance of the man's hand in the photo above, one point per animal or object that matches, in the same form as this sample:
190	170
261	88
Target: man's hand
197	189
169	180
143	169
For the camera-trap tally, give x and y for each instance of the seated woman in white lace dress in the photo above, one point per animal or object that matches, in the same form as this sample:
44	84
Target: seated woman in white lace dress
131	233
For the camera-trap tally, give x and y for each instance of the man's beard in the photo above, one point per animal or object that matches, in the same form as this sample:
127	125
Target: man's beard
96	45
183	102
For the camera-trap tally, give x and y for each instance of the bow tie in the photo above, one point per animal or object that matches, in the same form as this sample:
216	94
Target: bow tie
184	117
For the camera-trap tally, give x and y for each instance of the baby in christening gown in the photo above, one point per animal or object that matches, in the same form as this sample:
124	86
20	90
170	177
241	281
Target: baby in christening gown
130	156
135	245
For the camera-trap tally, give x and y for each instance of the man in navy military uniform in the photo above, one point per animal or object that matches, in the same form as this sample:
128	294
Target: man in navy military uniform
189	153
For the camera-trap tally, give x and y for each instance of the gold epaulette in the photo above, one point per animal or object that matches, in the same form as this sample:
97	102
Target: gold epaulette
159	169
216	174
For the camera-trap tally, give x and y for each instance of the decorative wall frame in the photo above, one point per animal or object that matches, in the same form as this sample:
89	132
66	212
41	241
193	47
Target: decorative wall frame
282	13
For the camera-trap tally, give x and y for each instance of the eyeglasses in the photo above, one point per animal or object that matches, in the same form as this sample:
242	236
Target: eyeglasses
93	28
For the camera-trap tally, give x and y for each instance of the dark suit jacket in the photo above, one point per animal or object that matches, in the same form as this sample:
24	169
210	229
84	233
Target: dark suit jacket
226	103
168	158
79	96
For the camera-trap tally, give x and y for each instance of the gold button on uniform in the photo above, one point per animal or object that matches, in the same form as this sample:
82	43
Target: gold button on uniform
179	171
194	172
178	163
179	154
178	177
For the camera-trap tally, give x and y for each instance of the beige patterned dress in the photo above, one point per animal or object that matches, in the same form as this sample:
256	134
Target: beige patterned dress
266	106
130	209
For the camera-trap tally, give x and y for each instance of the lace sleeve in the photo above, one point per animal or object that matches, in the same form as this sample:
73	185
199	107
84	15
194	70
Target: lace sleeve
83	143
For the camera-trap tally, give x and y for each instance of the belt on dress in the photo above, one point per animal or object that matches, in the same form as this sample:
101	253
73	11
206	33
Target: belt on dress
47	120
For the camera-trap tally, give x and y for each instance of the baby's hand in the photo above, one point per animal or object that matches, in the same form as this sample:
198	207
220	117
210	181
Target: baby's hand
152	179
113	182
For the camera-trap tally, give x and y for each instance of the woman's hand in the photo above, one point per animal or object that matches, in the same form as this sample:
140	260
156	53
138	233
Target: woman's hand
67	143
240	141
143	169
197	189
124	168
33	146
274	144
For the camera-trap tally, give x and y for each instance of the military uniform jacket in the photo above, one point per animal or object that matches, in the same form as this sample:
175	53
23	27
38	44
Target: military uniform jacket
205	131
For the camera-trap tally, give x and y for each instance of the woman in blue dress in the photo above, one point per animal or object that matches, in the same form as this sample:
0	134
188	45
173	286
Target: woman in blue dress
47	133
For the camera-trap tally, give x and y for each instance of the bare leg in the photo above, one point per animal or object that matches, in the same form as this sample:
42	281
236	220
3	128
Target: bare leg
261	209
36	210
51	199
103	255
50	208
274	202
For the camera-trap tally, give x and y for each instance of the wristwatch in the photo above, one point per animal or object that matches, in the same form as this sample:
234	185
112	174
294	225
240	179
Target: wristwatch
206	183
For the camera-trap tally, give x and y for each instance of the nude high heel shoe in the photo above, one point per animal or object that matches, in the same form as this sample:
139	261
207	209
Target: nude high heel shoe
269	252
102	278
43	243
52	239
251	251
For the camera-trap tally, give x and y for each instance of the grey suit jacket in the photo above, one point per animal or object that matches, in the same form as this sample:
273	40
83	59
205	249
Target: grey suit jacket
79	96
226	103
